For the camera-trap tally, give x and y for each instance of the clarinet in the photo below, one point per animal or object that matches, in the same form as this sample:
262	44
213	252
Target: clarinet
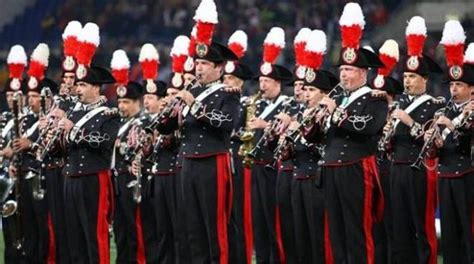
168	110
430	142
16	162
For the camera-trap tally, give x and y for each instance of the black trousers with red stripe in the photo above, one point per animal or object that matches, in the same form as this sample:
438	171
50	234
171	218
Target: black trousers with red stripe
164	210
206	185
383	231
308	213
127	223
34	224
284	198
149	228
181	238
55	196
456	200
413	214
87	203
348	197
264	214
236	224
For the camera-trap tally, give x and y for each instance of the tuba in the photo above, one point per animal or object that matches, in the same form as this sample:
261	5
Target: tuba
248	136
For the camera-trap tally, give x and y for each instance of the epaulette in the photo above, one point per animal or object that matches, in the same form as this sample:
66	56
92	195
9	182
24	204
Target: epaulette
438	100
111	111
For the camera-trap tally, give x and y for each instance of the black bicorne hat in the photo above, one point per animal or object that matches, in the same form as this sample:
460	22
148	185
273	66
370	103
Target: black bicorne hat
97	76
321	79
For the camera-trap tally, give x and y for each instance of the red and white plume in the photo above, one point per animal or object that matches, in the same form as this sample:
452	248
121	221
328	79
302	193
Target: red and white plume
39	62
150	61
299	45
120	65
206	20
17	61
238	43
71	43
273	44
352	23
453	41
389	54
315	49
179	53
192	42
469	54
89	40
415	35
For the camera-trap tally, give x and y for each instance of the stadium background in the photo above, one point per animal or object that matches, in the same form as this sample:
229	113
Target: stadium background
128	24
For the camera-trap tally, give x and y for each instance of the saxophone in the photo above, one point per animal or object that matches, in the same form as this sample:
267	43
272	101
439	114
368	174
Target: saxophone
248	136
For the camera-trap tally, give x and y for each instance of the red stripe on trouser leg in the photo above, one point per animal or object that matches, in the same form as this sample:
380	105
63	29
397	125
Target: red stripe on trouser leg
327	241
281	251
223	176
368	168
430	230
52	242
248	231
140	244
102	224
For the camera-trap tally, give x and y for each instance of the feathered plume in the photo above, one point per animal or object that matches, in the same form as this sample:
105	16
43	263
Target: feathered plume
179	53
150	61
206	20
273	45
389	55
453	41
71	43
238	43
315	49
299	45
120	65
89	40
192	42
469	55
39	61
416	36
17	61
352	23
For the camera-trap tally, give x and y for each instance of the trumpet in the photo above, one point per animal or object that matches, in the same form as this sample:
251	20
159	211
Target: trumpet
274	128
177	103
428	144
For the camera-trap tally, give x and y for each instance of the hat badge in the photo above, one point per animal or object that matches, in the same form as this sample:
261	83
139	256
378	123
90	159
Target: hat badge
310	76
266	68
379	81
189	64
69	63
81	72
32	83
121	91
456	72
301	72
15	84
229	67
177	81
349	55
151	87
413	63
201	50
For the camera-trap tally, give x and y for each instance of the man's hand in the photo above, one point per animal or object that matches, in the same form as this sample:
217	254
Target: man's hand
43	122
7	152
66	124
257	123
186	96
443	120
437	141
12	171
403	116
329	103
284	118
232	89
20	144
379	93
294	125
135	169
